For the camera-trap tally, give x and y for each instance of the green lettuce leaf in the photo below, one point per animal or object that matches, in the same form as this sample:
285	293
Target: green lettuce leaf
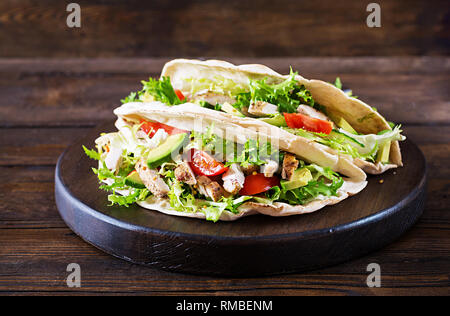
218	84
160	90
287	95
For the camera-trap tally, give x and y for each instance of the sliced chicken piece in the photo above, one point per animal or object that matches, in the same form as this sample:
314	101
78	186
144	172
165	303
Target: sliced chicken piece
270	168
233	179
184	173
151	179
261	108
312	112
213	98
113	159
290	164
250	169
209	188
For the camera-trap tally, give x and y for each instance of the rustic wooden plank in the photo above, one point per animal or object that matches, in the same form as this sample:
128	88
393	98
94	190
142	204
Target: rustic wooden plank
36	260
36	146
103	67
87	96
210	28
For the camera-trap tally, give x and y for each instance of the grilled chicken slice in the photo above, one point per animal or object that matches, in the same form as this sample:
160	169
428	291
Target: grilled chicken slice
261	108
270	168
312	112
209	188
290	164
233	179
151	179
184	173
213	98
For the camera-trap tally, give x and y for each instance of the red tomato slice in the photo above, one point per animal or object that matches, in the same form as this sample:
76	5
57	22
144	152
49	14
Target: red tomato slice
203	164
298	120
179	94
150	128
258	183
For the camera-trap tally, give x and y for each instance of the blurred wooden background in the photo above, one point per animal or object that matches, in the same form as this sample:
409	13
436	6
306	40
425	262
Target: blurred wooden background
233	28
51	97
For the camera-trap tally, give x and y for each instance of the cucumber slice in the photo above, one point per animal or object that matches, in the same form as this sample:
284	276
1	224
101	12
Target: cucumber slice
338	134
161	154
133	180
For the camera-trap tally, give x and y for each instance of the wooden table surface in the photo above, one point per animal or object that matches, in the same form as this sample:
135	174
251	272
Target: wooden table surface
46	104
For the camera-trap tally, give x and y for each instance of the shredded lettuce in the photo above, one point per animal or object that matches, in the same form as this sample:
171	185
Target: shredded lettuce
218	84
372	142
358	146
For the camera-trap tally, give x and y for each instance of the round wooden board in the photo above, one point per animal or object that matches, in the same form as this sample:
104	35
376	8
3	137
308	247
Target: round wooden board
251	246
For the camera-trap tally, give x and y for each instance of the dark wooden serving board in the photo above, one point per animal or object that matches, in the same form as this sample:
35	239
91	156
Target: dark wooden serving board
251	246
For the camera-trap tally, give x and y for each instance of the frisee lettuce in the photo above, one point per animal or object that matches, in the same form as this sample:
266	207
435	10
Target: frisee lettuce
325	182
154	89
287	95
117	181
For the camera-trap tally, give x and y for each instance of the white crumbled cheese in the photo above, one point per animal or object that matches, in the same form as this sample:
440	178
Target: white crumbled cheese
158	138
270	168
233	179
113	158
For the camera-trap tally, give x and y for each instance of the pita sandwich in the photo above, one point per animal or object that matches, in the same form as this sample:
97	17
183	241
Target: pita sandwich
312	109
189	160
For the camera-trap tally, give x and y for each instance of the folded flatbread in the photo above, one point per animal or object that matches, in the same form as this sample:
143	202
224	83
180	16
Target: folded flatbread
220	81
120	150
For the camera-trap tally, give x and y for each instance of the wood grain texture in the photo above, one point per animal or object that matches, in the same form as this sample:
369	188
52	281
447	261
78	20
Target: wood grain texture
257	28
36	246
84	92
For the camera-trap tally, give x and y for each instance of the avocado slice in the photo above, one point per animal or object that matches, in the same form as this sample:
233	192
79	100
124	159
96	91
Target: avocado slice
161	154
277	120
227	107
300	178
133	180
342	123
383	153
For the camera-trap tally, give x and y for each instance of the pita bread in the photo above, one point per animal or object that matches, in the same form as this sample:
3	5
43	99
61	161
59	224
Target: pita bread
191	117
186	116
363	118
